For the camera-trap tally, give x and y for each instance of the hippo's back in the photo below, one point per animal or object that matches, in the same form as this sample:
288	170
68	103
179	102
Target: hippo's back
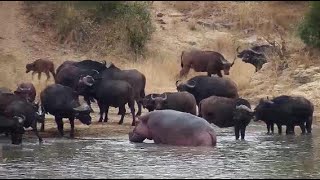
171	119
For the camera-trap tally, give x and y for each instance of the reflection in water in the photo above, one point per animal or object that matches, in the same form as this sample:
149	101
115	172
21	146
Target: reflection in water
260	156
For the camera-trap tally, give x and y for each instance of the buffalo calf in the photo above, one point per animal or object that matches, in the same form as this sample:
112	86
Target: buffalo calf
41	66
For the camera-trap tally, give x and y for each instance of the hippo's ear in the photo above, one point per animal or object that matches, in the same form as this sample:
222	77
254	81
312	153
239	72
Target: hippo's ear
143	119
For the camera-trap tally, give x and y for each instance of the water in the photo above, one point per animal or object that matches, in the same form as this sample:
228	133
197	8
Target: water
259	156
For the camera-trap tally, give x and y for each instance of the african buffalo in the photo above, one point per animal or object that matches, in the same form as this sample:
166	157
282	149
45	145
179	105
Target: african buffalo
204	61
41	66
63	102
202	87
227	112
136	79
257	59
69	73
179	101
14	127
12	105
115	93
173	128
285	110
26	90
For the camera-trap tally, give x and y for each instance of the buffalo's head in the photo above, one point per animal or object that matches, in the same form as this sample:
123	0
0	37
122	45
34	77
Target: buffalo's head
40	112
24	92
30	67
160	102
261	110
148	103
188	86
248	54
243	112
83	113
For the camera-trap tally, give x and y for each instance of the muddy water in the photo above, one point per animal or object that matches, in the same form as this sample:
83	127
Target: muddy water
259	156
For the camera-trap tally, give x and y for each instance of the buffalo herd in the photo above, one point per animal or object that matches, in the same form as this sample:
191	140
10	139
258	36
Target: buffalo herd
180	117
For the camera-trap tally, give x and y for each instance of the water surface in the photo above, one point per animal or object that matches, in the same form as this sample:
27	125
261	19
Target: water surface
259	156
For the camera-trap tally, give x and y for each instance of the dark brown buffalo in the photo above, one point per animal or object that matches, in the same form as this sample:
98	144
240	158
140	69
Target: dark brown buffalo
227	112
41	66
202	87
179	101
204	61
27	91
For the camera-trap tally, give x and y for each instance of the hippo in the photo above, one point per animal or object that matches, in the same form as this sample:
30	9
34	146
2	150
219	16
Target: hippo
173	128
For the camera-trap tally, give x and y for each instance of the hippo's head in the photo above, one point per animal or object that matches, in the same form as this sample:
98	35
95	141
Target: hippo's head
83	113
16	135
262	109
141	130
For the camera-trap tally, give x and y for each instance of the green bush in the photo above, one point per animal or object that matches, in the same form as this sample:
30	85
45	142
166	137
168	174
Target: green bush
91	21
309	30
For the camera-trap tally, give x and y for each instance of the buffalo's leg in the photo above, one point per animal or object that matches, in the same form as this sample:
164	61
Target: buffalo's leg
279	128
48	75
290	129
59	125
139	108
303	128
131	105
309	124
42	127
101	109
243	132
106	114
33	73
72	127
237	131
185	70
269	125
88	101
39	76
35	130
122	111
219	74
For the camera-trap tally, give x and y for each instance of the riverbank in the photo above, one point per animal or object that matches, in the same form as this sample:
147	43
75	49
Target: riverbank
95	130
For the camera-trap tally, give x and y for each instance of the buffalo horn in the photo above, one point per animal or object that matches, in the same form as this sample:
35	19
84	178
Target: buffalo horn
177	82
20	118
191	86
238	49
83	107
152	97
84	79
165	97
244	108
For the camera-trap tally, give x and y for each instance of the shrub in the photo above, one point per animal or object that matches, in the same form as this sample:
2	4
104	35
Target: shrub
309	30
101	23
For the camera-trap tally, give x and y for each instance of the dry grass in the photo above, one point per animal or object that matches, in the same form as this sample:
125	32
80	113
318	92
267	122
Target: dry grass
262	16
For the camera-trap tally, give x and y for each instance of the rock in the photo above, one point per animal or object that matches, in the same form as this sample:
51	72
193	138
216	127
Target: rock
160	15
161	21
192	43
176	15
162	27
